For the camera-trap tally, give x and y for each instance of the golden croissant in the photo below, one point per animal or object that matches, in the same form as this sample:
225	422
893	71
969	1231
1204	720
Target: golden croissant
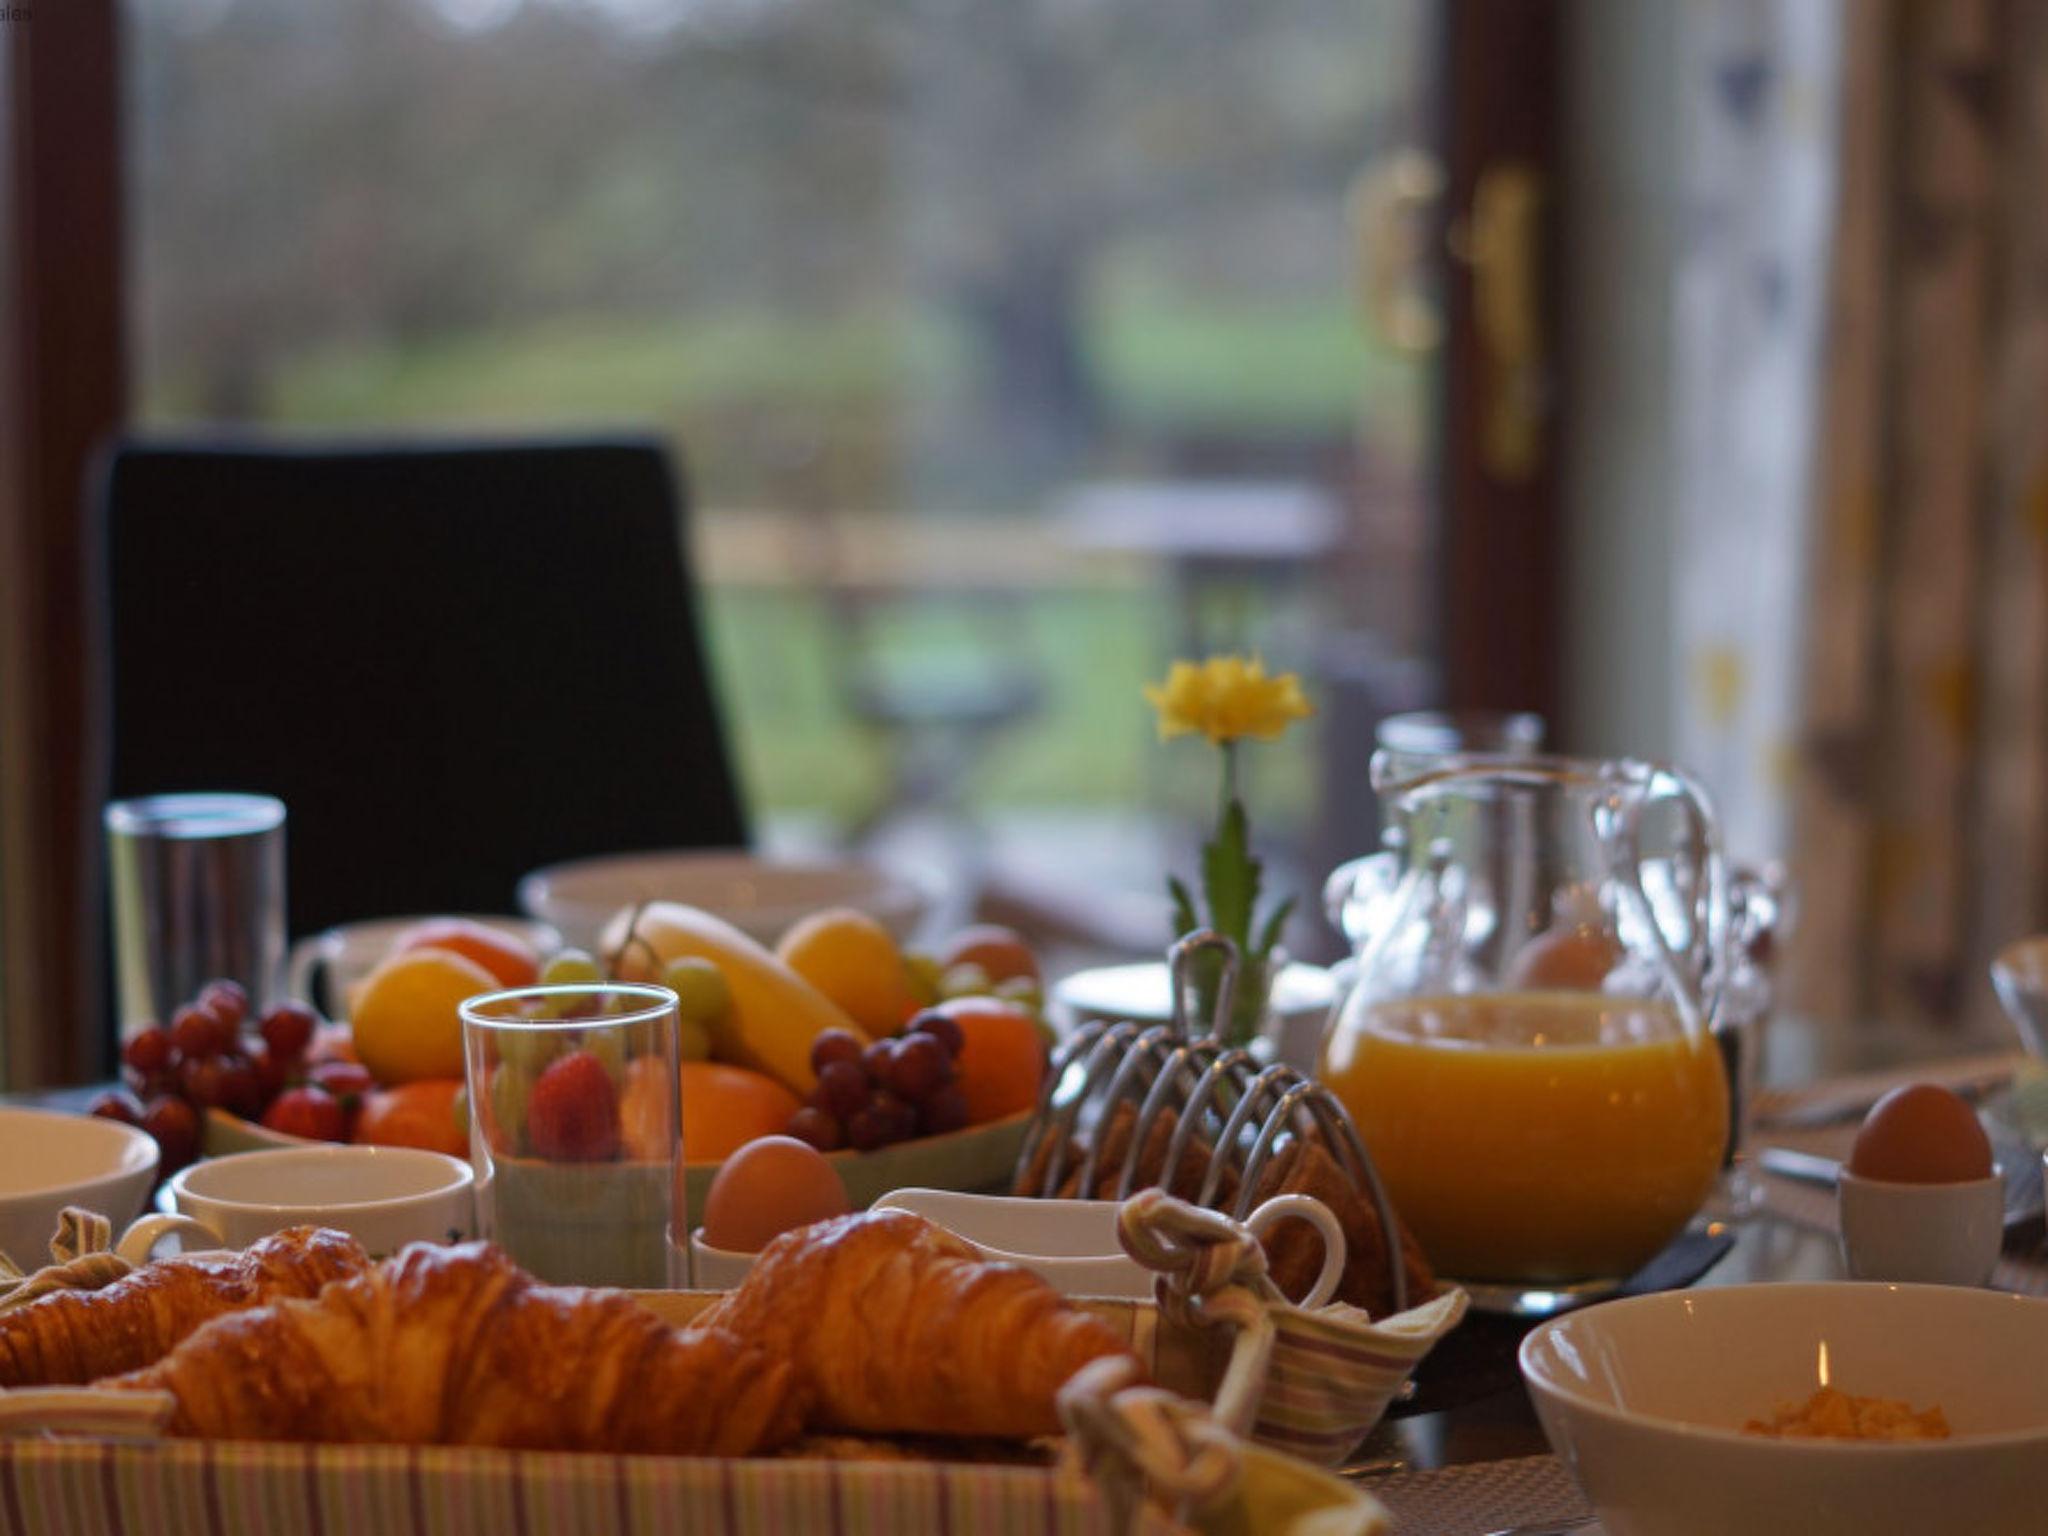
896	1326
69	1337
459	1346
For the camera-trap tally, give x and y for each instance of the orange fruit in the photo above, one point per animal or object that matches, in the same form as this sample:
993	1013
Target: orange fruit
852	959
724	1108
505	957
406	1026
1002	1057
418	1114
1000	952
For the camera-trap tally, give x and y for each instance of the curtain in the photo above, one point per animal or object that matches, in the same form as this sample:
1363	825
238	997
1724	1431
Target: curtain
1920	782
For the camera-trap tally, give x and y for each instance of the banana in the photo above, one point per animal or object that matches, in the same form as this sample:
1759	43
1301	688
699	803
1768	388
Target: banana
776	1014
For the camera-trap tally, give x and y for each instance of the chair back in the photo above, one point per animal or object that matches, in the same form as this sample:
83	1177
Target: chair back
453	662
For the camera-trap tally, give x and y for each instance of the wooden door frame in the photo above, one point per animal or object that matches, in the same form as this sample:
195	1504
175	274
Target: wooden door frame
1501	530
62	390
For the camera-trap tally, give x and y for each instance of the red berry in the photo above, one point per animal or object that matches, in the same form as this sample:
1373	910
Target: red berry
842	1089
310	1112
920	1067
288	1029
117	1104
834	1045
572	1115
196	1032
944	1111
348	1081
228	999
941	1028
821	1130
149	1051
175	1125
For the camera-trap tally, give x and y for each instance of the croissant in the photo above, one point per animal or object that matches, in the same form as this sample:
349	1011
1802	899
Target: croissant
69	1337
459	1346
898	1327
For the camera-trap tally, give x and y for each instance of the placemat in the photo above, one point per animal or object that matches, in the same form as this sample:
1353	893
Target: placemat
1481	1496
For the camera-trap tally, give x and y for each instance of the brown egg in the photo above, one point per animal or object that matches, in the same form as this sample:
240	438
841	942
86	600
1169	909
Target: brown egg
1921	1134
772	1185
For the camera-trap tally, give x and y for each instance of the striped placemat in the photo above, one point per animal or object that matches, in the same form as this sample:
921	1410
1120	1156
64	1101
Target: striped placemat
1479	1497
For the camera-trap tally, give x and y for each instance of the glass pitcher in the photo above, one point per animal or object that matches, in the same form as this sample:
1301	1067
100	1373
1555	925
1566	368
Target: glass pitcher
1525	1047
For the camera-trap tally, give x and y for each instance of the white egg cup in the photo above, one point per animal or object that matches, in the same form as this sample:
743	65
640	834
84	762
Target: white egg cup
1936	1234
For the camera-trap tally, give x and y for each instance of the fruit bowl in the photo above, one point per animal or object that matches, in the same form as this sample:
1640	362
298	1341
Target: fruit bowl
606	1195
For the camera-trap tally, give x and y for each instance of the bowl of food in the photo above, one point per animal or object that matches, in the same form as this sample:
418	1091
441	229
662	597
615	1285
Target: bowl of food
50	1160
1799	1408
760	896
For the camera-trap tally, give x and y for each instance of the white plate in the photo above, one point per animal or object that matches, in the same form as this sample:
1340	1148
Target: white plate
760	896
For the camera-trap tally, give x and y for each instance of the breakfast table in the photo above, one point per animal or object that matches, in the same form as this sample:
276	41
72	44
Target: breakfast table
1480	1465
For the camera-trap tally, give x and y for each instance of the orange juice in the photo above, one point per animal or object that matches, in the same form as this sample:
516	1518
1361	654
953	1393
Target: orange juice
1539	1137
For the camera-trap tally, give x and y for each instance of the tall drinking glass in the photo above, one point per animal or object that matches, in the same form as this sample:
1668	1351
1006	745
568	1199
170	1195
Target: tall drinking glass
198	893
575	1127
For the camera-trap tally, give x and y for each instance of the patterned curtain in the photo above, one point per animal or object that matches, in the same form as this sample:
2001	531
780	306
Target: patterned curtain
1921	793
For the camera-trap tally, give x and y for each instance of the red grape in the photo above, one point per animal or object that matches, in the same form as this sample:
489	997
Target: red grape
175	1125
821	1130
310	1112
150	1051
288	1029
272	1071
919	1067
944	1111
241	1089
196	1032
228	999
834	1045
877	1057
199	1080
941	1027
117	1104
883	1119
842	1089
343	1079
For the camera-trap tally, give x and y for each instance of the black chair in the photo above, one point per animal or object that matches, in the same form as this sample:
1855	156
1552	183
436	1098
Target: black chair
453	662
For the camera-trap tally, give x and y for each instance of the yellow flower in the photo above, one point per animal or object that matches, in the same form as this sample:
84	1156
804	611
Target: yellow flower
1227	697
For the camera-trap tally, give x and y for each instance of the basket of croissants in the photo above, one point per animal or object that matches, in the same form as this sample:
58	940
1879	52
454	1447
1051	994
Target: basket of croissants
872	1373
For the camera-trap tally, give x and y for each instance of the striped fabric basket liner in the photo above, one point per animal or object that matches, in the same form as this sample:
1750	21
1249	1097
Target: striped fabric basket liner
1334	1372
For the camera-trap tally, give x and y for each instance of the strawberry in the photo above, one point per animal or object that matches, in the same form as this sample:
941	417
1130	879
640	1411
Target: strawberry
573	1114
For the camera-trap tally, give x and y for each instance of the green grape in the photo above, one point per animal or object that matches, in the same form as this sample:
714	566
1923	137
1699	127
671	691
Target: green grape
568	967
700	989
459	1108
693	1040
964	980
609	1047
527	1050
511	1086
923	972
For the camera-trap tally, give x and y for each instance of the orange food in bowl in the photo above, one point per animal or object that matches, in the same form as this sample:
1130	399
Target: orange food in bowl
1921	1133
1002	1058
725	1107
418	1114
405	1022
513	963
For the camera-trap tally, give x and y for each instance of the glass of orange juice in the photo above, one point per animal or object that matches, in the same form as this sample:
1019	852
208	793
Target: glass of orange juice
1526	1051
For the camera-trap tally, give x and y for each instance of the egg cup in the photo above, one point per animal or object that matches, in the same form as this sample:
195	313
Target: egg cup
1936	1234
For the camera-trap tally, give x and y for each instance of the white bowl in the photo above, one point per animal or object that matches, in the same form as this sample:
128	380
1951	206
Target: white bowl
760	896
1645	1399
50	1160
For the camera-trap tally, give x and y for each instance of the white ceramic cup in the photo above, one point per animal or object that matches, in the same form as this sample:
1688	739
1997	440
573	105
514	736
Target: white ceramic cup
384	1197
1071	1244
1935	1234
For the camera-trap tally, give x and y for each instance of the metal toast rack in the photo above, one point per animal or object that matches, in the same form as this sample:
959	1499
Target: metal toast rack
1226	1117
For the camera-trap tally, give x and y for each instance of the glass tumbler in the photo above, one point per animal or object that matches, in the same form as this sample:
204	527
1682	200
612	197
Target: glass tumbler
198	893
575	1128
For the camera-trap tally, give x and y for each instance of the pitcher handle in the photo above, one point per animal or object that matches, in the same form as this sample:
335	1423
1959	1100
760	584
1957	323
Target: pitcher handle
1697	980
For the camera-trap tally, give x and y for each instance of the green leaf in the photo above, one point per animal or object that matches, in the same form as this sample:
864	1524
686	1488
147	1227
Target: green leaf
1270	934
1230	876
1185	918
